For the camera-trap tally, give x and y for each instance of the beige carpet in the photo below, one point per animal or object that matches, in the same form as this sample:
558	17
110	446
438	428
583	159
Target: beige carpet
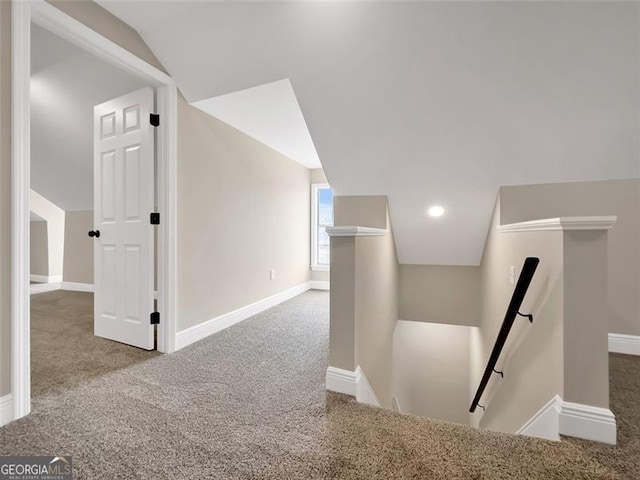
64	351
624	393
249	403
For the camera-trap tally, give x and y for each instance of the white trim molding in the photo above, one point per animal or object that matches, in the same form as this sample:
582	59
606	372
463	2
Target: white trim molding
588	422
20	214
545	423
621	343
558	417
203	330
356	231
341	381
49	17
364	392
320	285
6	409
561	223
395	404
68	286
77	287
45	278
352	383
44	287
62	25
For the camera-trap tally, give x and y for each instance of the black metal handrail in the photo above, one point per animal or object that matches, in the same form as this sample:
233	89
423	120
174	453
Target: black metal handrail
528	269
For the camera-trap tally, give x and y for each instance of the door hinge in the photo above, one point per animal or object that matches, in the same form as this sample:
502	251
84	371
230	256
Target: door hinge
154	119
155	318
154	218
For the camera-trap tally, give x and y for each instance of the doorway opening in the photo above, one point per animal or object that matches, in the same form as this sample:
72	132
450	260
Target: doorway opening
73	308
48	22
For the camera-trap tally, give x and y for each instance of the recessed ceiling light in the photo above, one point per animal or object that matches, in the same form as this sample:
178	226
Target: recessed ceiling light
436	211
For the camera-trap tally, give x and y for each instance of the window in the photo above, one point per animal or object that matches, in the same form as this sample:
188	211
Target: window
321	217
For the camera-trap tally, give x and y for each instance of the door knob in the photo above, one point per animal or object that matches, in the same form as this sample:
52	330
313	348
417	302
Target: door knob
94	233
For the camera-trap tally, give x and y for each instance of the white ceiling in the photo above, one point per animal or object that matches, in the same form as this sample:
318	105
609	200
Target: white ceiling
427	103
66	83
269	113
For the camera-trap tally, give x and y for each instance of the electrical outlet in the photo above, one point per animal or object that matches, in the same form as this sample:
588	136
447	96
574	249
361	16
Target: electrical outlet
512	275
272	274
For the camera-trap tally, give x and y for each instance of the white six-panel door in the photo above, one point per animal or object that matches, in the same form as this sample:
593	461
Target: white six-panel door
123	199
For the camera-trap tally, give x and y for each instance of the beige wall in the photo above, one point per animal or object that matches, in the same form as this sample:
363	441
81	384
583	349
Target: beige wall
243	209
440	294
364	298
586	352
532	358
55	220
78	247
318	176
376	311
363	211
431	370
97	18
39	248
614	197
342	305
320	275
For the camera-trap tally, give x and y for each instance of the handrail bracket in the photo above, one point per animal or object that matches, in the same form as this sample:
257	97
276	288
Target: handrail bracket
527	315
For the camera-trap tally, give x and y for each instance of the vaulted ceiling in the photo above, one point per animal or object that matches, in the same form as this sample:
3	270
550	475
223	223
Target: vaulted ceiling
427	103
66	83
269	113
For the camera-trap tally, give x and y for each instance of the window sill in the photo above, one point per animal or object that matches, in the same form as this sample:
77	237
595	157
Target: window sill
320	268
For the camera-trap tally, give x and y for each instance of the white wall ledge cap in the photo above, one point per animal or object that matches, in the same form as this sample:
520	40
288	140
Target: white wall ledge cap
561	223
355	231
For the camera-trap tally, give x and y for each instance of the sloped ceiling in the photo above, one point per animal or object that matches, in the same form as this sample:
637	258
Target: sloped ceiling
269	113
427	103
66	83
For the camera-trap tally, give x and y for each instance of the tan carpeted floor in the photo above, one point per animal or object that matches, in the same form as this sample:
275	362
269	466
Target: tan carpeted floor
249	403
64	351
624	394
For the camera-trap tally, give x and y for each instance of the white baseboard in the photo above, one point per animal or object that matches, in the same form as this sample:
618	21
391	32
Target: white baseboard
45	278
69	286
351	383
320	285
620	343
546	422
203	330
590	423
6	409
558	417
77	287
364	392
395	404
43	287
341	381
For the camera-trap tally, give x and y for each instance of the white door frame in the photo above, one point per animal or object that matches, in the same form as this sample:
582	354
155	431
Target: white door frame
23	13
